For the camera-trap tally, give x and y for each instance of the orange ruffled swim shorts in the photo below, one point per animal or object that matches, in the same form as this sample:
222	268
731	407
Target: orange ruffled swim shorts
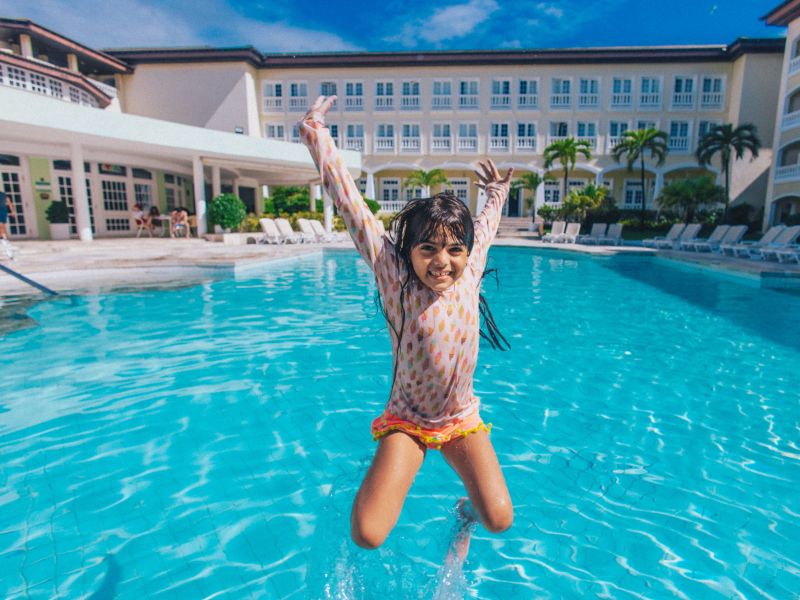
432	438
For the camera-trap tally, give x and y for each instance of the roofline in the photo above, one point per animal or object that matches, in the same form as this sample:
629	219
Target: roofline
783	14
28	26
599	55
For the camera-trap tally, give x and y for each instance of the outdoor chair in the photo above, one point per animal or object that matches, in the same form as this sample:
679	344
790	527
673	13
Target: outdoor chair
690	232
614	235
333	236
716	235
789	254
671	236
595	235
784	241
556	231
570	236
748	249
308	232
288	234
734	235
271	233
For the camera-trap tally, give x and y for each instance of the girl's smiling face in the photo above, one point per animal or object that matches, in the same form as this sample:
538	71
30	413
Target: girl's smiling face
439	262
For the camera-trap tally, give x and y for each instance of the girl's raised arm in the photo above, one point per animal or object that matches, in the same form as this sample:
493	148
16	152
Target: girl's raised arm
496	189
361	223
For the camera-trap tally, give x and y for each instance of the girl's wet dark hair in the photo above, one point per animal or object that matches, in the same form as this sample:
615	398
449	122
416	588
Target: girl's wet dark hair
429	219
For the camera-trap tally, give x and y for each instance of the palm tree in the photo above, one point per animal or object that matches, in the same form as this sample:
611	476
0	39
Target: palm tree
530	182
566	152
726	140
634	145
426	180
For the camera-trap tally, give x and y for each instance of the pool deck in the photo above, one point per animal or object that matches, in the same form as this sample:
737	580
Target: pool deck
106	264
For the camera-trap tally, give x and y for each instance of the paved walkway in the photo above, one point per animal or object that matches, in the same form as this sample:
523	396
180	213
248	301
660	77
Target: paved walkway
107	264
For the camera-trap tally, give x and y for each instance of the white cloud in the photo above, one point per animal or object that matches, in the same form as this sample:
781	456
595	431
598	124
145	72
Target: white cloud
550	10
447	23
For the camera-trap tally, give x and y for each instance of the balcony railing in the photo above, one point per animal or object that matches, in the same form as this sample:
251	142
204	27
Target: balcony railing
711	100
684	100
273	104
441	144
410	144
298	104
528	101
384	145
526	143
468	144
500	102
24	79
409	102
794	65
560	100
391	206
384	103
791	120
678	144
441	102
621	100
468	102
650	101
787	172
556	138
498	144
353	103
356	144
614	141
591	140
588	101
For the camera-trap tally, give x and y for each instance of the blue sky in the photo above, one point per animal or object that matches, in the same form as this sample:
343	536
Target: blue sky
285	26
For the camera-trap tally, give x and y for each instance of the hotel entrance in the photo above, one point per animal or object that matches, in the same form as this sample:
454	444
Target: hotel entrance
19	226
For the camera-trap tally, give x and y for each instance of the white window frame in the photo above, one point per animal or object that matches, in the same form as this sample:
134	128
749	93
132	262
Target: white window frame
298	103
563	103
620	104
354	102
596	96
382	147
531	101
354	142
497	141
441	144
406	103
500	101
468	147
384	101
441	104
527	142
476	95
406	146
654	106
722	92
688	148
687	106
282	136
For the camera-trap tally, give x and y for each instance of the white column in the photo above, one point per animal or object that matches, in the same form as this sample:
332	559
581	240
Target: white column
314	194
328	212
598	180
658	188
25	45
79	198
370	190
216	184
199	195
538	201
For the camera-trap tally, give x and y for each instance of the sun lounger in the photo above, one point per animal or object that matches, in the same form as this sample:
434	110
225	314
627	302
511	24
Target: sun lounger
614	235
689	232
289	235
748	249
570	235
733	236
308	232
556	231
597	232
791	254
671	236
270	231
785	241
716	236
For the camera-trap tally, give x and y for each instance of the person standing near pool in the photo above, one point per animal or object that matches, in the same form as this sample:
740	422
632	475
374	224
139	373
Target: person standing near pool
428	270
6	210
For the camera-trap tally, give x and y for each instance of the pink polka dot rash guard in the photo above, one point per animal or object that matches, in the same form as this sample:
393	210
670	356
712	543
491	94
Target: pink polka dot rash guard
437	355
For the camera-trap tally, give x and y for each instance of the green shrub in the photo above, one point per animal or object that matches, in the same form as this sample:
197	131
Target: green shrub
227	211
289	199
374	206
57	212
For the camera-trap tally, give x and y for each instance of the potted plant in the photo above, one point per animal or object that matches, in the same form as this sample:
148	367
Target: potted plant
227	211
58	216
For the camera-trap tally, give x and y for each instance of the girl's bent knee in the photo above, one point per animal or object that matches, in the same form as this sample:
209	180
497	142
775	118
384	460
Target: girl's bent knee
500	519
365	538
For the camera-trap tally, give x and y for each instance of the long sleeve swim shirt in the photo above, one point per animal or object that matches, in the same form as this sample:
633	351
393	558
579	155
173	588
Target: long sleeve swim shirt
438	352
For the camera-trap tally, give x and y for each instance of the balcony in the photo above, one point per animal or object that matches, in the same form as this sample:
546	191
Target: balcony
468	102
500	102
592	141
384	103
526	144
613	142
410	145
273	104
298	104
560	101
353	103
441	145
678	144
556	138
794	65
588	101
711	100
356	144
498	144
528	101
391	206
787	172
683	100
409	103
791	120
441	103
621	101
650	101
467	144
384	145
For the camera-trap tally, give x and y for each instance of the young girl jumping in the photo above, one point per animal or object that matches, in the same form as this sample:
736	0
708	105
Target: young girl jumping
428	270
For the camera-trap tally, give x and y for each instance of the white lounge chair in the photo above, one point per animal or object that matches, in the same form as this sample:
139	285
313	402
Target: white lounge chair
671	236
270	230
791	254
689	232
733	236
597	232
614	235
556	231
570	236
288	234
308	232
784	241
716	235
748	249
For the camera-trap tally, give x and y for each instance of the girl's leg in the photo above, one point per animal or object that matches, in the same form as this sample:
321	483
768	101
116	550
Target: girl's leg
473	458
380	499
3	234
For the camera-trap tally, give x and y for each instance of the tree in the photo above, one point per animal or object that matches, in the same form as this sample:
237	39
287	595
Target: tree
290	199
578	202
530	182
426	180
634	145
726	140
566	152
690	195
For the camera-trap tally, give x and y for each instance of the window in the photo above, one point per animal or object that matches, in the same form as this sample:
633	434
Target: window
461	189
589	93
552	191
115	195
390	190
468	137
650	93
528	94
143	192
468	95
353	96
712	92
646	125
328	88
587	131
298	96
38	83
384	95
703	127
334	130
56	89
273	96
498	140
441	139
621	92
410	141
355	137
410	98
633	193
679	136
559	129
118	224
561	95
274	132
526	136
384	138
501	94
295	134
683	93
16	77
616	131
442	95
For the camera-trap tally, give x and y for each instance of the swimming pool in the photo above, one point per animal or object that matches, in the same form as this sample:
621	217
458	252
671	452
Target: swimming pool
208	441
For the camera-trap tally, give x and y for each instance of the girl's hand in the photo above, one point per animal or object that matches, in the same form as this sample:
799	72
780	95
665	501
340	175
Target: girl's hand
491	175
321	106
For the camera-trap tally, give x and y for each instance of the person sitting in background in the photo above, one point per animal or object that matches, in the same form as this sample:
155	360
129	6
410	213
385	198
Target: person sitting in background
179	223
153	218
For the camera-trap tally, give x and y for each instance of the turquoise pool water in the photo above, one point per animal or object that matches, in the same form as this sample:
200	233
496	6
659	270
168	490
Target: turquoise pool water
208	441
